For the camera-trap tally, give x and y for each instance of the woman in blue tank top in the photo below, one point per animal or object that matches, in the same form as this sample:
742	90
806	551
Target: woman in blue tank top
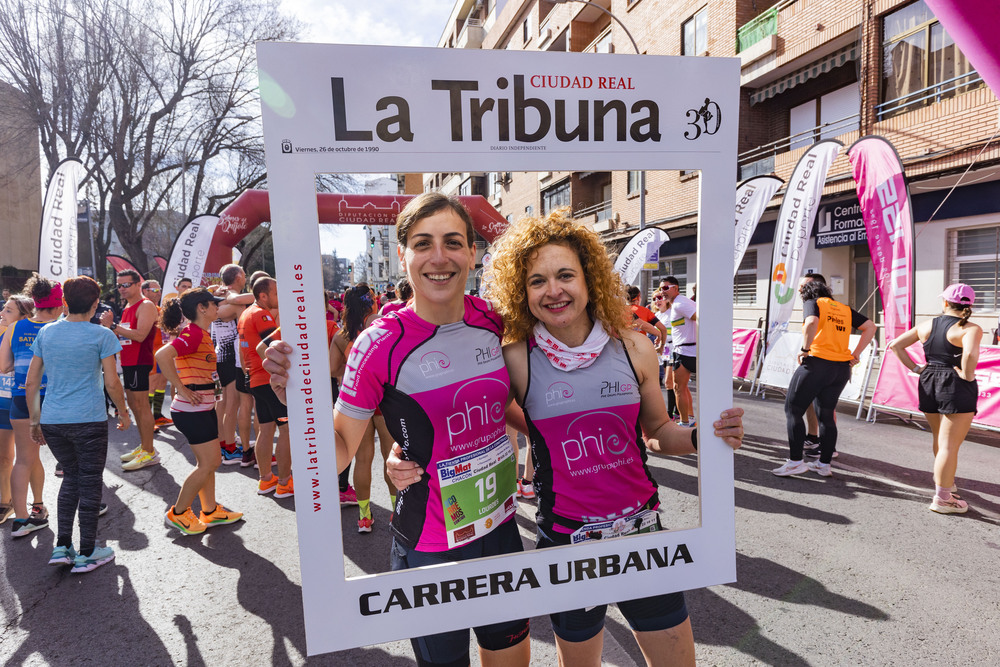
947	388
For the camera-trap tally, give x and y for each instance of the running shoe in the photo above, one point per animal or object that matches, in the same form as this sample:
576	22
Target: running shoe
790	468
62	556
821	469
248	458
525	489
689	424
187	522
7	511
99	557
812	451
39	511
142	460
285	490
59	470
951	506
349	497
219	516
22	527
256	464
266	486
131	455
365	524
162	421
231	458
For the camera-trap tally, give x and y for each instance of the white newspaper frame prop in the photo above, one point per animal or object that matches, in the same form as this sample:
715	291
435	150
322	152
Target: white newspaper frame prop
695	101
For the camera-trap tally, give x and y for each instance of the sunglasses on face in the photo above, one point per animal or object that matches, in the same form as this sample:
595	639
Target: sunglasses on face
152	289
124	285
657	298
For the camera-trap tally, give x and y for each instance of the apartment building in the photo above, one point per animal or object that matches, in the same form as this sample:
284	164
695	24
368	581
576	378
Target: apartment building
20	187
810	70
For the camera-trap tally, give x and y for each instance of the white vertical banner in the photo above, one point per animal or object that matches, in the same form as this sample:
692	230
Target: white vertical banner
637	251
187	257
791	235
752	198
57	242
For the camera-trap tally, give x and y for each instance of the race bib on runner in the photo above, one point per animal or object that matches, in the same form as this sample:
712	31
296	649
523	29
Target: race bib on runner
477	491
218	386
6	385
644	521
122	339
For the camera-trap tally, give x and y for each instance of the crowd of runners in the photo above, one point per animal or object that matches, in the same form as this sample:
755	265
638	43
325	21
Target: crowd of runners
557	330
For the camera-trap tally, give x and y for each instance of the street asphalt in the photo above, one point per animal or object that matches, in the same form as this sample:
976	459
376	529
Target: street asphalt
849	570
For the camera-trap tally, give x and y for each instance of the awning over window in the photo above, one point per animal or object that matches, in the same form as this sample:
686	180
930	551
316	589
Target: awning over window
821	66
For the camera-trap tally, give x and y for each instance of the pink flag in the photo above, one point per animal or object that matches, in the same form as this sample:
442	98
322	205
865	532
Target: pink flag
161	262
885	207
119	263
973	26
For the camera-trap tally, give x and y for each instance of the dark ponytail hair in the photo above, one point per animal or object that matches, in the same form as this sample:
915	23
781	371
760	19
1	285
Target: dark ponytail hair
358	305
37	287
171	315
965	309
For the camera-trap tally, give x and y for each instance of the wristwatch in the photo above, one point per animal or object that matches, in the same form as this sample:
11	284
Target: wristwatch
804	349
114	325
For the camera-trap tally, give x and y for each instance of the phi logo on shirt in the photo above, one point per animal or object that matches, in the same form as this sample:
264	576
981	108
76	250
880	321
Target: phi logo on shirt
558	393
434	363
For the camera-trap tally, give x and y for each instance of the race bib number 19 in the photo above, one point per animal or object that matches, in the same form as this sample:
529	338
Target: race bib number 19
477	491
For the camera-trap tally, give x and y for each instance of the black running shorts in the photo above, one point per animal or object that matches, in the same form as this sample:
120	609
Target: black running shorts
136	378
269	408
940	390
197	427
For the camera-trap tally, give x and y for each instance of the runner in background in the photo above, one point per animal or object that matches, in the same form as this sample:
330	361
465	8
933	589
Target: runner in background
137	332
684	344
190	365
73	421
16	307
225	334
359	309
403	295
157	383
825	363
811	444
947	387
15	354
640	312
662	304
257	322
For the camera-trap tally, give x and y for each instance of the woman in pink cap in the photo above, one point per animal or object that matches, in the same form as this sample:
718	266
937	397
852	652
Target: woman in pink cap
947	387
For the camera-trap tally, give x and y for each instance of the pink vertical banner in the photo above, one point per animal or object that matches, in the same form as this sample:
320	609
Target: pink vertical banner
885	207
896	387
973	26
744	344
119	263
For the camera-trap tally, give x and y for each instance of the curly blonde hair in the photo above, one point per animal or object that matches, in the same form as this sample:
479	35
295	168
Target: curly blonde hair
506	274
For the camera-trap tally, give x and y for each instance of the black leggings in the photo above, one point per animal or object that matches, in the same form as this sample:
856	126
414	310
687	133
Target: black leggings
82	450
820	380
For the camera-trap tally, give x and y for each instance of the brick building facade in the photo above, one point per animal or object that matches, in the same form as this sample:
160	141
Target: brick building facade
810	69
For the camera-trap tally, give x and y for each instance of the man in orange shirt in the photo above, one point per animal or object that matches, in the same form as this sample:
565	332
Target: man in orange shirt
256	323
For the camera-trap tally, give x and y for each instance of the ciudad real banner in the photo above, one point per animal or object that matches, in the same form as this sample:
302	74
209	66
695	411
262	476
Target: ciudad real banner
752	198
187	257
57	242
356	109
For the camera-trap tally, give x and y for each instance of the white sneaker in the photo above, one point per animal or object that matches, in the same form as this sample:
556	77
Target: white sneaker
821	469
790	468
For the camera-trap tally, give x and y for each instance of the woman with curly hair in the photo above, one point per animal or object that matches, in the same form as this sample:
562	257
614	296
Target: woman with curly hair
15	354
16	307
359	312
562	303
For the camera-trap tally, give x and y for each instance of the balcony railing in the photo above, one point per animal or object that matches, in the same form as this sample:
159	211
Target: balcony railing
804	138
760	27
602	211
929	95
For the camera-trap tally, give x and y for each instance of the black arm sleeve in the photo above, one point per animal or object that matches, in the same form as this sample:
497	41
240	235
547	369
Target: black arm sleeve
857	319
810	309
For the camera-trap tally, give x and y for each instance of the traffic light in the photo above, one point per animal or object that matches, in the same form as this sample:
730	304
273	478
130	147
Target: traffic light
350	269
373	243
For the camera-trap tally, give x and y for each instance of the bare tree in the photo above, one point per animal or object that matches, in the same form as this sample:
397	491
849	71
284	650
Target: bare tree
156	98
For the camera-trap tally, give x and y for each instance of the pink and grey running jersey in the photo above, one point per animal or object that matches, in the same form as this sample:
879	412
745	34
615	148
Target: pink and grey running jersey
443	392
590	461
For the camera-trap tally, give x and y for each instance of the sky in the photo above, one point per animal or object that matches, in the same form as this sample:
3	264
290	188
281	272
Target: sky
387	22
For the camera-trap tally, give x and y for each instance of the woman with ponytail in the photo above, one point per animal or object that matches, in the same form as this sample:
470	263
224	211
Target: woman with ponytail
189	364
15	354
947	386
359	311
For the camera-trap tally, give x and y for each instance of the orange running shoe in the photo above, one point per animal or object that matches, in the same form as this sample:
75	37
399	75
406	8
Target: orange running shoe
266	486
285	490
187	522
163	421
219	516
